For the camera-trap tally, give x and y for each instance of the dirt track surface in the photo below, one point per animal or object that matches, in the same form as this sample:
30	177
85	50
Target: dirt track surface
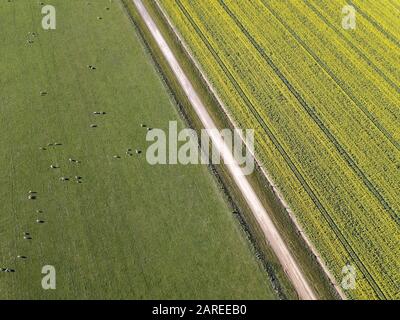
272	235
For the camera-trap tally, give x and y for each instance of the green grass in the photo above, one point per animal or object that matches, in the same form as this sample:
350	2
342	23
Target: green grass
129	230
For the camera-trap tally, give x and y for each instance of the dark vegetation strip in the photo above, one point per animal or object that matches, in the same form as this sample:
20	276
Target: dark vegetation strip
286	157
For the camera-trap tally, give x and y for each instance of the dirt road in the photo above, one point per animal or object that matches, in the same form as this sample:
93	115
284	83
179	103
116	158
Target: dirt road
271	233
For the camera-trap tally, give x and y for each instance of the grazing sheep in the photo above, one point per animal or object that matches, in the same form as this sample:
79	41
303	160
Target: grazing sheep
39	221
64	179
93	125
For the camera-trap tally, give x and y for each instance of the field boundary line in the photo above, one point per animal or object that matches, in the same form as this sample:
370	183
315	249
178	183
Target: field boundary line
272	184
271	233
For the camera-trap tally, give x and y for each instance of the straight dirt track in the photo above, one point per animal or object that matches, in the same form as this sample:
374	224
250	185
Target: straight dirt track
272	235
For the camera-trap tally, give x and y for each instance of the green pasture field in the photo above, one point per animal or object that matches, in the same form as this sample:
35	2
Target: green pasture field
129	230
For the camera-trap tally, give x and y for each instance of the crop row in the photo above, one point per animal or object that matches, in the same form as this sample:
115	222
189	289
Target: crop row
380	17
363	82
368	44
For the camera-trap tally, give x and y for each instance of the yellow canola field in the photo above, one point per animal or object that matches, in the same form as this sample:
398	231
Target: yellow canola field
327	123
